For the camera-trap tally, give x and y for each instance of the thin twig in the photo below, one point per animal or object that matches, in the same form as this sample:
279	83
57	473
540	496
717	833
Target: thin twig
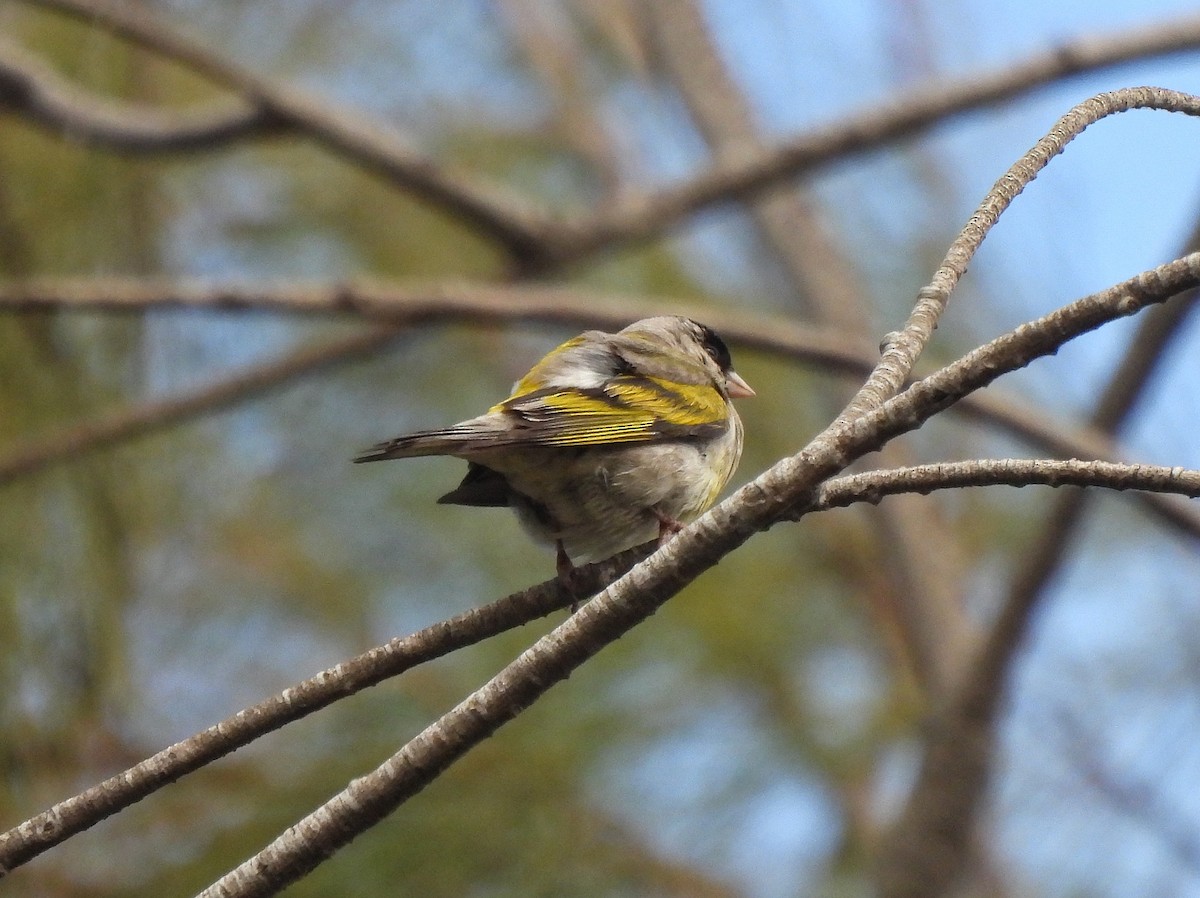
1049	433
903	348
157	415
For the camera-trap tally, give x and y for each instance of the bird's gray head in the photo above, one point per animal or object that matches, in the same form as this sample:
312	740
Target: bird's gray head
682	350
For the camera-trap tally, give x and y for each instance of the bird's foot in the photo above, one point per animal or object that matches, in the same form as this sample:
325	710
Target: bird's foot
667	528
566	574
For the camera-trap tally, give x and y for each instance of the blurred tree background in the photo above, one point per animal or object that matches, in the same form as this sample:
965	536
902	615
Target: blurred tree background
757	735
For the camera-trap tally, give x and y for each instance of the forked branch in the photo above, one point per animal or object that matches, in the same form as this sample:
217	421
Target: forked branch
774	496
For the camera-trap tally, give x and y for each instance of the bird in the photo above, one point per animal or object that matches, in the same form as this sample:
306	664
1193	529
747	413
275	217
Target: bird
608	442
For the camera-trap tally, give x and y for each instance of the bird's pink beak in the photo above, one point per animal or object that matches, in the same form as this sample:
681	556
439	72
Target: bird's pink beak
736	387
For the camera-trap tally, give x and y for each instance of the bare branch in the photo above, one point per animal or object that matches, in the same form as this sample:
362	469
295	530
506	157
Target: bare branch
38	834
1009	352
526	236
639	217
923	603
1125	385
496	213
925	852
902	349
37	92
873	486
771	497
1048	433
158	415
927	839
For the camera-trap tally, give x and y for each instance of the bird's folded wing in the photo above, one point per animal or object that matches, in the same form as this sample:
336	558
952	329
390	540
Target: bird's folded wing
625	410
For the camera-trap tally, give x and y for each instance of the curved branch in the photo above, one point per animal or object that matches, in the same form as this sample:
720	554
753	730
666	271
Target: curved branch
768	499
38	834
496	213
1048	433
902	349
35	91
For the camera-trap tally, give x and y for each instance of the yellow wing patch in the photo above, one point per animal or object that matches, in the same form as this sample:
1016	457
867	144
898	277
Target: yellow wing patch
628	409
684	405
572	418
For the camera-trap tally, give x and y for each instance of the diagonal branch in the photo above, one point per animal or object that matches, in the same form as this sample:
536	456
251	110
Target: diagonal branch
770	498
923	604
39	834
639	217
74	815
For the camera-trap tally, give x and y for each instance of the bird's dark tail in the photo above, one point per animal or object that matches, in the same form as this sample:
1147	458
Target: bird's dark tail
415	445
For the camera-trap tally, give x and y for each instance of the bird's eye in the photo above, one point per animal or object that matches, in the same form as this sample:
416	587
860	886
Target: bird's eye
715	347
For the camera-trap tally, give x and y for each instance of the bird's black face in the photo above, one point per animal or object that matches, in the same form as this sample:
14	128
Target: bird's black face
714	346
